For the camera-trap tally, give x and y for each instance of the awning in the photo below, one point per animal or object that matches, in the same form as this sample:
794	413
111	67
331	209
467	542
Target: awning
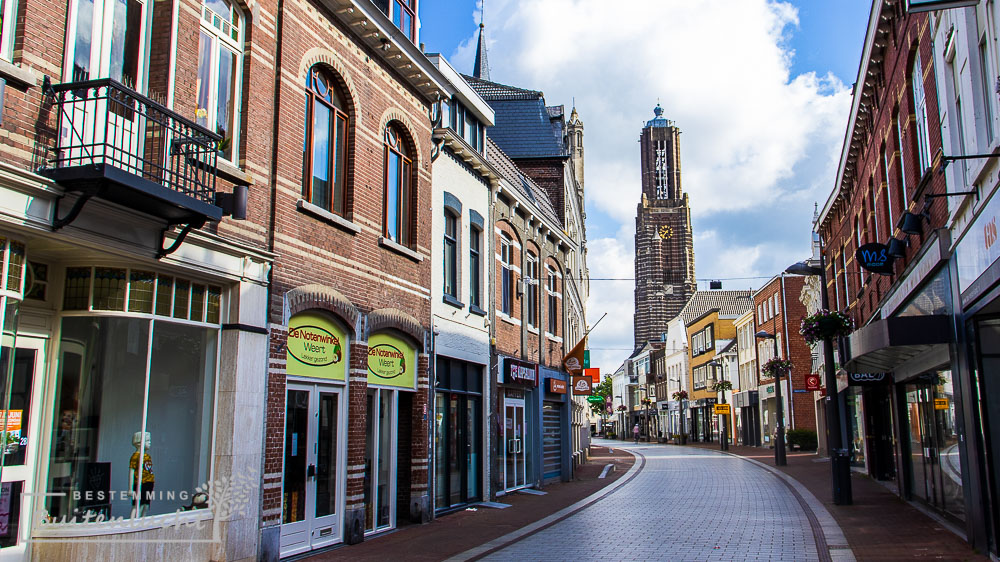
884	344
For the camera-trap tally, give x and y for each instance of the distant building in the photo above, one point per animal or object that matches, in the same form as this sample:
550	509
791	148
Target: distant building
664	248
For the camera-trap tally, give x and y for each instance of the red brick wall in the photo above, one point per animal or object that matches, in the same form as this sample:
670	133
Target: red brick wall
508	335
907	35
549	174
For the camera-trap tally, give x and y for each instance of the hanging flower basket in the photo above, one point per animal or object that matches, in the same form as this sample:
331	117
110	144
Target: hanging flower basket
722	386
622	408
777	367
680	395
647	401
825	324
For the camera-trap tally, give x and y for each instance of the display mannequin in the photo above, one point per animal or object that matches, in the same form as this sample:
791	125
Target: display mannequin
141	484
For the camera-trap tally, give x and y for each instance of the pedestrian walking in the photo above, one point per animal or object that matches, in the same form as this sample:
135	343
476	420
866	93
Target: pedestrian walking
635	433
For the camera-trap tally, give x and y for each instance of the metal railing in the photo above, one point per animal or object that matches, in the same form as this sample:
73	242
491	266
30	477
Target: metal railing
103	122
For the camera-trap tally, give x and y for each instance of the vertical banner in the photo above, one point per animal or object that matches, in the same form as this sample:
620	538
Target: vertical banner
573	362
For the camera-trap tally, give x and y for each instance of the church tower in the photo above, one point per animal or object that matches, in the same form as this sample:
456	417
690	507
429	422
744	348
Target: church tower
574	142
664	244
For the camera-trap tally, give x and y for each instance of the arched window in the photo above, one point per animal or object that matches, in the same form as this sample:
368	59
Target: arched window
220	65
398	215
325	150
531	282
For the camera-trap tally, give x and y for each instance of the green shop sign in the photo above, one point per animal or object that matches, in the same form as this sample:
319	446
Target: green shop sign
391	362
315	347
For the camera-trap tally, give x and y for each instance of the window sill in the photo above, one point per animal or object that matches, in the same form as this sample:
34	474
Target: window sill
476	310
399	249
326	216
18	75
508	319
554	338
450	300
227	171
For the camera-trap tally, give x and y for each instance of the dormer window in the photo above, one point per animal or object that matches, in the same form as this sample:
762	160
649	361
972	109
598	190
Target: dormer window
404	17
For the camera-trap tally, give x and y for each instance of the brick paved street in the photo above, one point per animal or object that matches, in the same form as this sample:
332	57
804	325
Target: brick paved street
685	504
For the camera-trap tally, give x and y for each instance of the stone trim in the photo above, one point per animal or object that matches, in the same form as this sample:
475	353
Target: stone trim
393	318
313	296
325	56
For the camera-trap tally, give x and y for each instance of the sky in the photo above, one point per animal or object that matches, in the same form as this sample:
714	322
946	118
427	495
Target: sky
760	90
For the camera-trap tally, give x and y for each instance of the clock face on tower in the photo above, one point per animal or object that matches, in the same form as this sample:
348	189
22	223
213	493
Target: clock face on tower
665	231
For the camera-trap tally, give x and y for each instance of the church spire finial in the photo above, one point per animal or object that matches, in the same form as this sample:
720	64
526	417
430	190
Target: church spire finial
481	68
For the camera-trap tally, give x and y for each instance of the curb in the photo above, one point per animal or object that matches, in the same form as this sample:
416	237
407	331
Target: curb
514	536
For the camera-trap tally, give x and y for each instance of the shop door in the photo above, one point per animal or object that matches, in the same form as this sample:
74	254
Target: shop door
21	444
380	460
515	467
457	449
312	491
551	440
934	459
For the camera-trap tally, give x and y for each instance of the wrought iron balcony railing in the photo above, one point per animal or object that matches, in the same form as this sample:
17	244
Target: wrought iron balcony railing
119	145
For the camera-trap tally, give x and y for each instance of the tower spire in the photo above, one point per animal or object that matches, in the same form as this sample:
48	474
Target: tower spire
481	68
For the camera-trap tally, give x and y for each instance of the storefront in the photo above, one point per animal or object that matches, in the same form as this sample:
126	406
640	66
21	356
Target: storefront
116	415
769	410
703	419
555	442
748	417
517	398
458	434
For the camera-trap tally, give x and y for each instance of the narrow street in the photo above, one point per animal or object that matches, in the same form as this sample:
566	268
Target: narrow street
732	509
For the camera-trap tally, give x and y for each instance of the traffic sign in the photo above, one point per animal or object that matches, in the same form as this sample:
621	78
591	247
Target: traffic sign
812	382
722	409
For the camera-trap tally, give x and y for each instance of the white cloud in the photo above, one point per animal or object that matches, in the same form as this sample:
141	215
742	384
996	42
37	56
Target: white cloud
753	136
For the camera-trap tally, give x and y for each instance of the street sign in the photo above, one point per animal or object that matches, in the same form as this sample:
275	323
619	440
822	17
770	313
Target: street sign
722	409
940	403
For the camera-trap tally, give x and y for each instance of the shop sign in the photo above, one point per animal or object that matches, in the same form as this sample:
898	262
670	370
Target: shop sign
582	385
521	373
940	403
868	379
315	347
392	361
978	249
664	406
812	382
875	258
594	373
722	409
558	386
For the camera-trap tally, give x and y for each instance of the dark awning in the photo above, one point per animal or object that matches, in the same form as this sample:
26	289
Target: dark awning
884	344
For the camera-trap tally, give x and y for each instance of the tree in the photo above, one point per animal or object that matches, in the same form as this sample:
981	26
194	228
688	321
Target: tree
602	390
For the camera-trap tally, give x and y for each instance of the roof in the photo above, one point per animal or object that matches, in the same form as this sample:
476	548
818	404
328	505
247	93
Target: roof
659	120
730	347
525	127
729	303
481	68
521	182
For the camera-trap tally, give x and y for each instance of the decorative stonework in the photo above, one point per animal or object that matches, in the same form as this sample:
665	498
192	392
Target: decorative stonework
320	55
396	319
316	296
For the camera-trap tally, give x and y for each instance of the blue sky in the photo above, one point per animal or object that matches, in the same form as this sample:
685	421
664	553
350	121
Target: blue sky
760	90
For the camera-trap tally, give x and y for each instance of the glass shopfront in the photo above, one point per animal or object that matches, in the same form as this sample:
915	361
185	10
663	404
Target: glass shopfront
856	425
934	463
134	394
458	443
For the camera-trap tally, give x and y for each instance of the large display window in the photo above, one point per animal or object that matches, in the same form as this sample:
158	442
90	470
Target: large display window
134	396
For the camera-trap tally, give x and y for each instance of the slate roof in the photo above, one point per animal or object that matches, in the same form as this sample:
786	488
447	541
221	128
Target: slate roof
525	127
729	303
731	346
521	182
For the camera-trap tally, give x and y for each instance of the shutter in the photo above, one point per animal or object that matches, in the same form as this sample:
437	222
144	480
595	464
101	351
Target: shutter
551	441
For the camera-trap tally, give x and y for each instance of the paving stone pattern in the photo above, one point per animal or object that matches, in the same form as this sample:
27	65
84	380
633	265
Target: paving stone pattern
685	504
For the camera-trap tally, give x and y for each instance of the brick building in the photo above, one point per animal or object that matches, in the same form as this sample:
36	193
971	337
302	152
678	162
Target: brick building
778	310
903	403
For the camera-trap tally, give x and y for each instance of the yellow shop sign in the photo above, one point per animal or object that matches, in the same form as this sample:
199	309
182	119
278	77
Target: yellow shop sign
315	347
391	362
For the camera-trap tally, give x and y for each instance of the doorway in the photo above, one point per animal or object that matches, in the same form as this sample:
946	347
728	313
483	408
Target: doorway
380	460
21	442
312	491
935	466
515	465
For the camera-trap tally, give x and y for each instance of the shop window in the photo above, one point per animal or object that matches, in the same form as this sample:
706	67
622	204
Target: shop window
108	289
325	146
398	217
37	283
220	64
134	416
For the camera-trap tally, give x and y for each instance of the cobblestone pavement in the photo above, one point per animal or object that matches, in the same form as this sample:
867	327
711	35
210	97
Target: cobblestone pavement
685	504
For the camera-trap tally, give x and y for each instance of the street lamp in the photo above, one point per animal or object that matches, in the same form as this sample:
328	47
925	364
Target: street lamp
835	439
779	444
724	434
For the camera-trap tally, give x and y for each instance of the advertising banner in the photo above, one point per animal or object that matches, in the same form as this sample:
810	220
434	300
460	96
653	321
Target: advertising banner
582	386
519	372
392	361
315	347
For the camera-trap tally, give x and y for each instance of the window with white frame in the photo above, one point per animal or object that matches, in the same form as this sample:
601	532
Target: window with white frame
506	275
902	171
450	255
920	109
8	15
552	288
531	289
985	84
220	71
475	267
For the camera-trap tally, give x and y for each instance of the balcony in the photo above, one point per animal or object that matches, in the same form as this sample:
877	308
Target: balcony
120	146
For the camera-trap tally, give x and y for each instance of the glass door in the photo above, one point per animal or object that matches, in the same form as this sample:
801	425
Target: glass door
20	442
380	460
312	491
515	473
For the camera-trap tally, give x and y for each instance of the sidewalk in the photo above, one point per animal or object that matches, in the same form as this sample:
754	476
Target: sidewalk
460	531
879	525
